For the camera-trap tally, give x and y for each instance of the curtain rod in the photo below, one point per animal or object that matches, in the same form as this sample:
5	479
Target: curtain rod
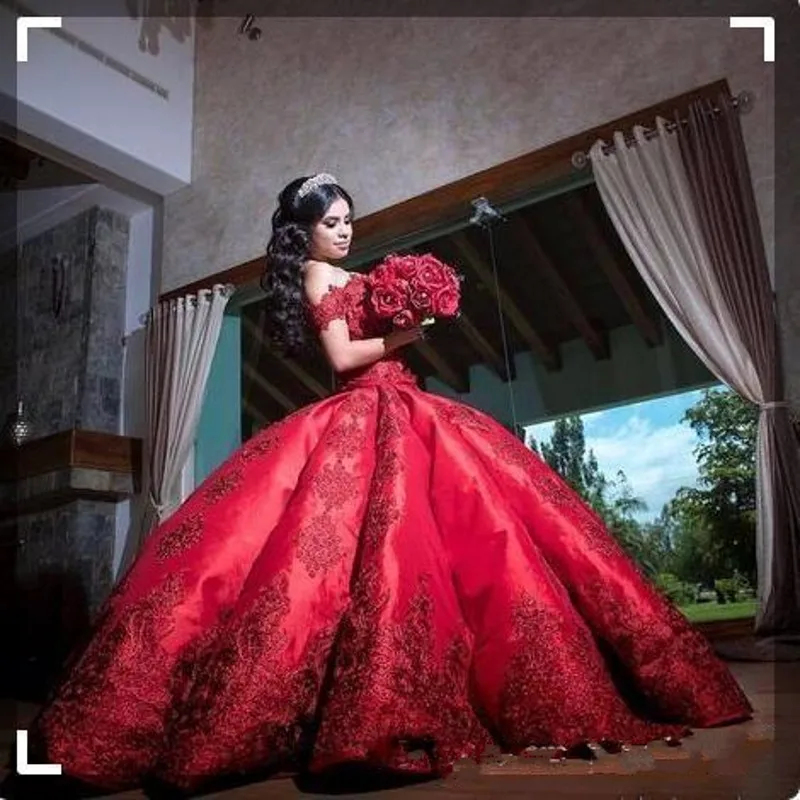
742	102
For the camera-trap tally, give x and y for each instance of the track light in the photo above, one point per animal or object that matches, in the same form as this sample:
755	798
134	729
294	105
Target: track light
249	28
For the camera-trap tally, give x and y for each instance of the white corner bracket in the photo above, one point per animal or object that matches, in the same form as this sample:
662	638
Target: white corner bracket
768	25
23	767
24	24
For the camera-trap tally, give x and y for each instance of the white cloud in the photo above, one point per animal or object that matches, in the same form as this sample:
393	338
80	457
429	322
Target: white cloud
593	416
541	432
657	460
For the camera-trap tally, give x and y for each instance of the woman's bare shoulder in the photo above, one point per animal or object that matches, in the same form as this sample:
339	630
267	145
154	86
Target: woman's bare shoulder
317	269
318	277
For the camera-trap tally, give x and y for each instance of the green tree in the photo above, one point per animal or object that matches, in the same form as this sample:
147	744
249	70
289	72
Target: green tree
659	541
620	509
566	453
714	523
693	556
726	425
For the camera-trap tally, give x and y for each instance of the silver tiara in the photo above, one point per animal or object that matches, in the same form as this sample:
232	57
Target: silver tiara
315	182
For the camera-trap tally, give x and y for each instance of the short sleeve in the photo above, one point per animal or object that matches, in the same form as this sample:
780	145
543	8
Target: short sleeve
332	306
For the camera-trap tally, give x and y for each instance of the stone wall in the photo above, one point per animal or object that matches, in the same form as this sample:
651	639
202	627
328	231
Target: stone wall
8	335
80	535
71	312
61	352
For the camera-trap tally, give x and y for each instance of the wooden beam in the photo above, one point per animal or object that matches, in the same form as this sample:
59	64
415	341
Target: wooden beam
537	345
649	328
309	381
257	379
95	450
484	347
255	414
507	182
456	379
595	339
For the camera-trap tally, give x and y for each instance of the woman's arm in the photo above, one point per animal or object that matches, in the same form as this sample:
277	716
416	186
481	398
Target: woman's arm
344	353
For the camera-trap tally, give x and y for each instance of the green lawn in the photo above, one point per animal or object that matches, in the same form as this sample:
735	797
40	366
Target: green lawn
705	612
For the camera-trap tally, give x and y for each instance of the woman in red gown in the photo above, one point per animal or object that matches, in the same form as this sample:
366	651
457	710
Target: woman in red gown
384	577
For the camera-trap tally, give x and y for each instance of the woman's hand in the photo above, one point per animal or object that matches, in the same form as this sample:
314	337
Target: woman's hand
402	338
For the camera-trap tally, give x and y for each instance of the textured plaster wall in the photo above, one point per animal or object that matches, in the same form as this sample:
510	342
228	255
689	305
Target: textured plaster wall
395	107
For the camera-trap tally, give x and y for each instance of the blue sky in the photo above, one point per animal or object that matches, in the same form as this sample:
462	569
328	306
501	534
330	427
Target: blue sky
648	441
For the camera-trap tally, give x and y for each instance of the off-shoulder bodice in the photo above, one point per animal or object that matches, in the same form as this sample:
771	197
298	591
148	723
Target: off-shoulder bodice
350	303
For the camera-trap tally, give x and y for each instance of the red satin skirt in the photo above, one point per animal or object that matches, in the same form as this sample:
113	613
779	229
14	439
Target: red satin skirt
387	577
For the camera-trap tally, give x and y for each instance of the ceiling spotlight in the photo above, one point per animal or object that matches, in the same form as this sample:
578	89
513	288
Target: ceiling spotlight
249	27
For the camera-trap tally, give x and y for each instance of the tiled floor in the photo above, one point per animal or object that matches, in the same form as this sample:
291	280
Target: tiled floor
754	761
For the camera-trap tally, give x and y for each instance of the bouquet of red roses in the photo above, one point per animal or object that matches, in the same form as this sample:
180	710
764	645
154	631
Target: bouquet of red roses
414	290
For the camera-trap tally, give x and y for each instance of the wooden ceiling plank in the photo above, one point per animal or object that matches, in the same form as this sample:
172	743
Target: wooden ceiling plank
549	355
483	347
648	327
308	380
273	391
456	379
255	414
595	339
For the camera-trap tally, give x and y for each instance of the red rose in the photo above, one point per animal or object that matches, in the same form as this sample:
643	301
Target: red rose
406	289
389	298
421	299
404	267
446	302
432	273
382	274
403	320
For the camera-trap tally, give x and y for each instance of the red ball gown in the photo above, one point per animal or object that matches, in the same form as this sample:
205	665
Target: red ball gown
385	577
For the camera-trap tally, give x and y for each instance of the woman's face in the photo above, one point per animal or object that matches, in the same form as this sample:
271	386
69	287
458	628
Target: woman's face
332	235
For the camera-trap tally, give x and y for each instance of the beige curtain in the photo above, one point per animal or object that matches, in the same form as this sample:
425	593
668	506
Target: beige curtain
647	194
181	338
713	151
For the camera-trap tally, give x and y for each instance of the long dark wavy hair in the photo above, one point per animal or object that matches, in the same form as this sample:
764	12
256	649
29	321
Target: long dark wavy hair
288	249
